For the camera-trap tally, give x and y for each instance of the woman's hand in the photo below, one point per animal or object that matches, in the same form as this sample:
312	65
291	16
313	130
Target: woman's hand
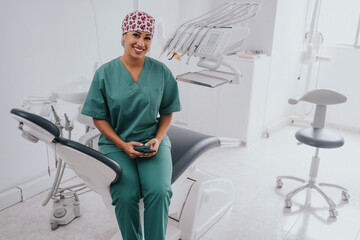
129	149
106	129
164	124
154	145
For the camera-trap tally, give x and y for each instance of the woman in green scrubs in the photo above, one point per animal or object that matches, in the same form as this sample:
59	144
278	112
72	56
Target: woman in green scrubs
131	101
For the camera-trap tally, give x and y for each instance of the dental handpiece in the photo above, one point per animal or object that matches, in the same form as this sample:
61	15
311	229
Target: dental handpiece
57	119
68	126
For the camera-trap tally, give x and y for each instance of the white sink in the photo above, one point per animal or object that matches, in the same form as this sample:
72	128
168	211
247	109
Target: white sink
74	92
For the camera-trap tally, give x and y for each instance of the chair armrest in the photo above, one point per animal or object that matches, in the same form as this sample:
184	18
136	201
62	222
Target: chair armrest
229	142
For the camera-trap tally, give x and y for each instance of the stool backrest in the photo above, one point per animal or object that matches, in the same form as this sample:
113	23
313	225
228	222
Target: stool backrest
322	98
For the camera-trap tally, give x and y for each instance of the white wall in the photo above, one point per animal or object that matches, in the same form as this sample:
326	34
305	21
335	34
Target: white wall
342	74
45	43
285	59
262	28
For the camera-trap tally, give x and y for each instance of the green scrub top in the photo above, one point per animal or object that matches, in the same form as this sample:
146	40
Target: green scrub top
132	108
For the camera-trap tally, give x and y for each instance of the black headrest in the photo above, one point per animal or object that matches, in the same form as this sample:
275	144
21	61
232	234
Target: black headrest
38	120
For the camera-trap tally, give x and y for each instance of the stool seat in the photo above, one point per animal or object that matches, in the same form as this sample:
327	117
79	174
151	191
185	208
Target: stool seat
319	137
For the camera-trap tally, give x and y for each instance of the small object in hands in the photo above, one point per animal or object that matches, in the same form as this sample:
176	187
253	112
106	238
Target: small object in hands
144	149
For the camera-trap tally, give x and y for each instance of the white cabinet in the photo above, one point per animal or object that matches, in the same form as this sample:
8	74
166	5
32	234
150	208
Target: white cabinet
230	110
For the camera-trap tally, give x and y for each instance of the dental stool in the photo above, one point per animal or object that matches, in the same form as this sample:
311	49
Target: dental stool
318	137
199	199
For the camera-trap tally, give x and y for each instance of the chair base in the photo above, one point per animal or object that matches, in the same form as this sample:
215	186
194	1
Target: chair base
311	183
64	211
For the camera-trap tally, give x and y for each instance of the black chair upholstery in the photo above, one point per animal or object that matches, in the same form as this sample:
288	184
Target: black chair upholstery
40	121
187	146
319	137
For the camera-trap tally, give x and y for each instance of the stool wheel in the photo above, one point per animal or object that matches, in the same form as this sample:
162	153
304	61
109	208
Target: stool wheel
279	183
54	226
333	213
288	203
345	196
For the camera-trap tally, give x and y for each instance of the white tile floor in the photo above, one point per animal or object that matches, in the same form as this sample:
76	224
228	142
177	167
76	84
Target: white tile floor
258	211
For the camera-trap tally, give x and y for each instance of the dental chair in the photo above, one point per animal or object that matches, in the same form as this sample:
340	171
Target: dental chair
318	137
200	199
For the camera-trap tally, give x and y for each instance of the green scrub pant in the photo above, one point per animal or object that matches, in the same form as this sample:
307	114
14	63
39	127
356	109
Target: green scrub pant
149	178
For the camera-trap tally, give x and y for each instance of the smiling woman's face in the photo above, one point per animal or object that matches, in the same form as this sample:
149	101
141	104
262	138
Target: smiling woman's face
137	44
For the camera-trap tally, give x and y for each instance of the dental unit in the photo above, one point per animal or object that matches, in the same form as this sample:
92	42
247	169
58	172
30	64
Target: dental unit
210	37
200	199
